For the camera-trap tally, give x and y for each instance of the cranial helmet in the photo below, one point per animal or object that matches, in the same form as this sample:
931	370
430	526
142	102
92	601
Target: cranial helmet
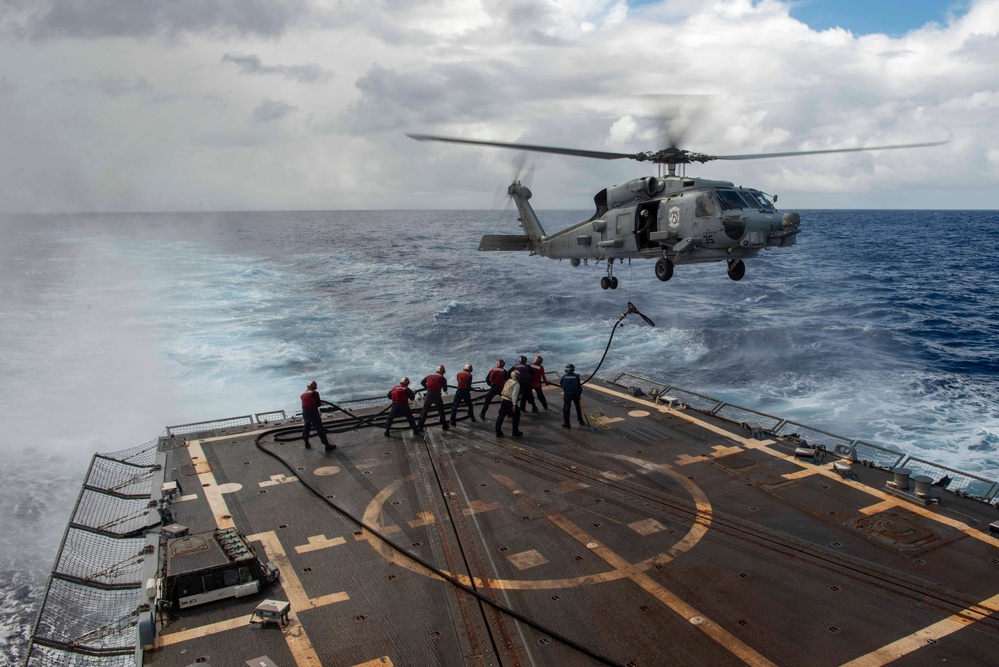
538	359
404	381
569	368
514	375
440	369
468	368
312	385
500	363
522	359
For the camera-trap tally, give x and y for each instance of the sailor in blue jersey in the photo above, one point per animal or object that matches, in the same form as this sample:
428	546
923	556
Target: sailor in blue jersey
572	389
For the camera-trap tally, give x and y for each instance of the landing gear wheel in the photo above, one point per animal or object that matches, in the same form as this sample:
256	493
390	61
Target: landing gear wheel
604	282
664	269
613	283
736	269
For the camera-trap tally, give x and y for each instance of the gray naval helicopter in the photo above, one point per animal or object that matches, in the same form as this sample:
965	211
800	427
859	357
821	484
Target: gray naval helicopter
671	218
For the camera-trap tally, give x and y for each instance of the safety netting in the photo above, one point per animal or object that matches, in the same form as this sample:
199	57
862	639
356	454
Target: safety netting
93	600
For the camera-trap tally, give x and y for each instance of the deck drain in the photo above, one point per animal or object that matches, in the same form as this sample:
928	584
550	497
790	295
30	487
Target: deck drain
391	577
744	575
283	525
834	588
504	549
262	491
525	518
754	508
206	485
544	640
556	598
743	622
599	500
644	607
832	512
367	472
579	558
360	617
395	502
299	468
919	561
417	544
483	484
836	544
202	659
306	569
226	516
670	531
246	463
833	629
596	525
357	532
435	633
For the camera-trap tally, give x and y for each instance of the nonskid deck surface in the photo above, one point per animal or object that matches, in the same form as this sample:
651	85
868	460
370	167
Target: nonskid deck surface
652	536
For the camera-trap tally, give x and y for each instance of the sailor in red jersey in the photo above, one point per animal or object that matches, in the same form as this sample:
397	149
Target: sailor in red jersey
434	384
495	379
311	417
537	380
400	396
463	394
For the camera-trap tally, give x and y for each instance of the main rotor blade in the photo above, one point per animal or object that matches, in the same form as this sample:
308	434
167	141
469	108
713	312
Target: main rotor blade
600	155
755	156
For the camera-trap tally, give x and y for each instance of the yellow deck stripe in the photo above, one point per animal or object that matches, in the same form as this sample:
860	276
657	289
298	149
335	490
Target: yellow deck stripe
918	639
723	637
209	487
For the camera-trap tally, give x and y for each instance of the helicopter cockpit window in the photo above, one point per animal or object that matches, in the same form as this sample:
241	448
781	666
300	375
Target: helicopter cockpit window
758	198
730	200
705	205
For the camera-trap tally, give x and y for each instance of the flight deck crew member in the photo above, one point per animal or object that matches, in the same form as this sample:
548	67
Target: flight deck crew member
434	384
538	379
311	417
495	379
400	397
463	394
572	389
508	406
525	383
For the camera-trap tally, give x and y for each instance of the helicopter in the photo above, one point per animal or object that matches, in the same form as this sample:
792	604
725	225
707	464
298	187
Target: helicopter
671	218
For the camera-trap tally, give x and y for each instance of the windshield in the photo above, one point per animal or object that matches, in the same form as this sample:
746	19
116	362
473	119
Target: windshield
757	197
730	199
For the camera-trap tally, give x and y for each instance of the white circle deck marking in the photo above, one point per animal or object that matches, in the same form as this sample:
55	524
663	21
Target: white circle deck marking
326	471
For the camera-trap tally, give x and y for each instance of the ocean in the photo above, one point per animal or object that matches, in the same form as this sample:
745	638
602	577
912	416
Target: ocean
878	325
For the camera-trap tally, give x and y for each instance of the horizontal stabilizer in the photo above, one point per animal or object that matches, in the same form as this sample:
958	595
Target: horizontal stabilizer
505	242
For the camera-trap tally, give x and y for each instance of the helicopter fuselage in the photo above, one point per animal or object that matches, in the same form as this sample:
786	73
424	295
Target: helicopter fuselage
676	219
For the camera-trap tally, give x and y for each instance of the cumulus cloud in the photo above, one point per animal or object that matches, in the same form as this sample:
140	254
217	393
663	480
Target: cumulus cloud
252	64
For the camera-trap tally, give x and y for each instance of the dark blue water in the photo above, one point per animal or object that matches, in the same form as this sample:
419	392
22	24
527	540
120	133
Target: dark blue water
880	325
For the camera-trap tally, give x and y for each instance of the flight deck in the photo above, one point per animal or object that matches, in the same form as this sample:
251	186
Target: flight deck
660	533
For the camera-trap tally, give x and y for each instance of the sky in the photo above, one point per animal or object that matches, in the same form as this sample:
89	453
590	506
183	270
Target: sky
201	105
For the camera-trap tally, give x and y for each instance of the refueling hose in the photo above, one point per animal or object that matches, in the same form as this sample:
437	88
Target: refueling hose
631	309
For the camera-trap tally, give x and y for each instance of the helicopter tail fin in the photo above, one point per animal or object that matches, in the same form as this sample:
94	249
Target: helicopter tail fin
528	219
529	241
